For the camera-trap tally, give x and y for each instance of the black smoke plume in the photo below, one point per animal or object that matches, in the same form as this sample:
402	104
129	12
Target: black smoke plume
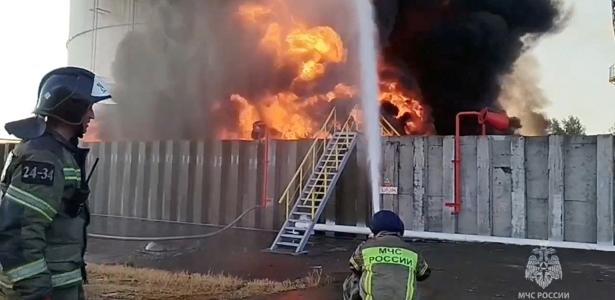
459	50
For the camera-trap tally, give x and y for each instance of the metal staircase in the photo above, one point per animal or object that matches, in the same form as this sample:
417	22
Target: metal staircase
309	190
313	183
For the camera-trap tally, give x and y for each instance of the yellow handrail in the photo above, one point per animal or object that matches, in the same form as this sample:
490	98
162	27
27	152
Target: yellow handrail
312	151
296	183
387	128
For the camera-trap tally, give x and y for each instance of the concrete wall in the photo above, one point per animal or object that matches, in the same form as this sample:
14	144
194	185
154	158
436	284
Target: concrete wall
551	188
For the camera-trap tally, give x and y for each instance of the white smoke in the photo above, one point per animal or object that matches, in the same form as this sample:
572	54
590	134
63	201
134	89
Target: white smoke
522	97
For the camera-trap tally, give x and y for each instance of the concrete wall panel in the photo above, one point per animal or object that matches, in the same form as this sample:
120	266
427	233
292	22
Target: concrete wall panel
518	196
580	189
556	188
501	186
390	173
412	175
604	190
537	186
483	192
435	180
449	221
468	217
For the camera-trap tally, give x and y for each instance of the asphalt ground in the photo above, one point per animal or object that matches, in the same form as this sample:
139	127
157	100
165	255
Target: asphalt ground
459	270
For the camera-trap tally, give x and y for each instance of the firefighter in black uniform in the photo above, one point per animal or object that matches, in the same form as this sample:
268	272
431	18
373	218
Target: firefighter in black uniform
43	200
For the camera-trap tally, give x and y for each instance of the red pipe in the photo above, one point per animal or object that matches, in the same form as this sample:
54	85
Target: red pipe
456	204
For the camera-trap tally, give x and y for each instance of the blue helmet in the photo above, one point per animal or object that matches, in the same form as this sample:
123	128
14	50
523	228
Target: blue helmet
65	94
386	220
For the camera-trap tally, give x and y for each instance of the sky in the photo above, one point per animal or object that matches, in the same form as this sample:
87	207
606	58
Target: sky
573	63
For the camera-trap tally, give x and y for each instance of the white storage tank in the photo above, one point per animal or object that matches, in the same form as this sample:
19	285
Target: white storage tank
96	28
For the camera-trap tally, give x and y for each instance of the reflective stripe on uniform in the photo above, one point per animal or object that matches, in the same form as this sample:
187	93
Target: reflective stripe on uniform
367	283
389	255
72	174
26	199
354	263
5	285
26	271
67	278
4	282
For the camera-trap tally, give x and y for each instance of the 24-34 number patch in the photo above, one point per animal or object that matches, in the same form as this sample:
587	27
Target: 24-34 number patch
35	172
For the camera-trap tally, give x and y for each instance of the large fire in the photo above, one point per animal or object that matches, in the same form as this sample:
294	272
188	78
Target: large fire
308	51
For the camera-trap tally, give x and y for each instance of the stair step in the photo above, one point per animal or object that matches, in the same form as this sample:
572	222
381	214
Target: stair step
332	150
308	195
340	141
308	203
329	158
319	187
295	228
317	179
323	177
287	244
301	213
332	159
306	206
291	236
315	187
319	168
309	200
321	174
327	166
300	221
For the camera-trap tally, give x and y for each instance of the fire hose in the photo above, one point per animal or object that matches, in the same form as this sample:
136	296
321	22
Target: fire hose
173	238
166	238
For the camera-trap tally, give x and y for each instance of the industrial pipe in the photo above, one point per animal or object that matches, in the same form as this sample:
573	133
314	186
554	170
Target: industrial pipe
470	238
456	204
260	132
485	117
265	171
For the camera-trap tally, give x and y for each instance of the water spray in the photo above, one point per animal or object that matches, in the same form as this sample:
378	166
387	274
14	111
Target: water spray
370	93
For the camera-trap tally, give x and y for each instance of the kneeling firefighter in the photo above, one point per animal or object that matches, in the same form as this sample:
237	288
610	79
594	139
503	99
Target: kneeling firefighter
43	200
385	267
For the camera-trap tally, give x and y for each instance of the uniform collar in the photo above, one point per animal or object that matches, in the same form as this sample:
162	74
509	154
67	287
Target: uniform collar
385	233
71	146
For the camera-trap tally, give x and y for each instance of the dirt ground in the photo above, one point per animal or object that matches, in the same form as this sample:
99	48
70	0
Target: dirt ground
459	270
123	282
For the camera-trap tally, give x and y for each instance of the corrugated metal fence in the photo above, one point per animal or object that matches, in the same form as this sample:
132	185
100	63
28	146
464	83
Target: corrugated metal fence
208	182
555	188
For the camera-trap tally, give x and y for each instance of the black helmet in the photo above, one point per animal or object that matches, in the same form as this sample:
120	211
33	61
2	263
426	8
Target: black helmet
67	94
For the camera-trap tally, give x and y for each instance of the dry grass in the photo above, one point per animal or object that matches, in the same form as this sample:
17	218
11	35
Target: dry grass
121	282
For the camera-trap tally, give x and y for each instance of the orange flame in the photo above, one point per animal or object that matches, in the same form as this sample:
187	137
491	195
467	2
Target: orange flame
411	113
308	51
287	115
